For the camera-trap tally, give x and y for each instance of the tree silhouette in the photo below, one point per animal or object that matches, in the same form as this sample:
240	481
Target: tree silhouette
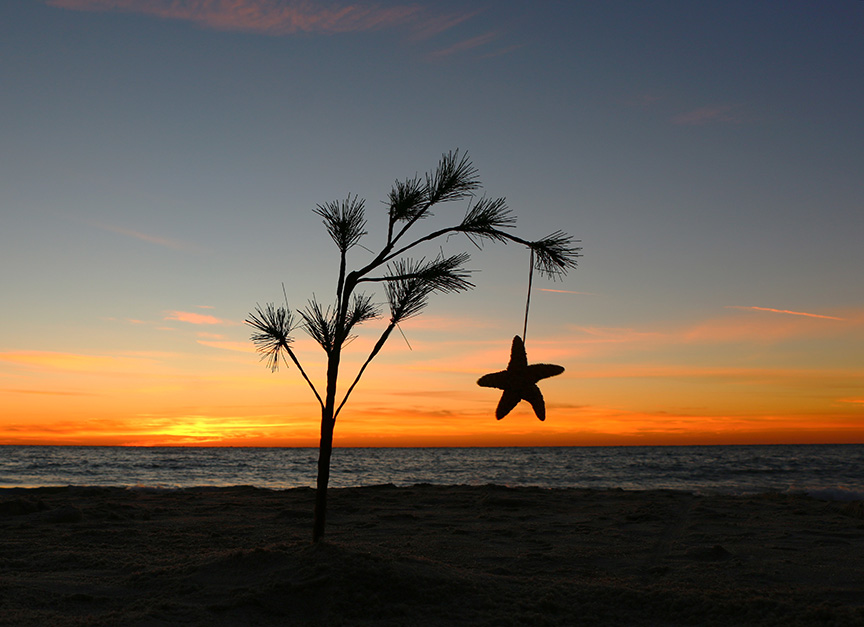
408	282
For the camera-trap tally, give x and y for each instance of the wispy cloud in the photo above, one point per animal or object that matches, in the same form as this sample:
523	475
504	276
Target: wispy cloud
761	329
289	17
713	114
616	335
500	52
454	324
645	100
240	347
47	392
464	46
430	26
195	318
785	311
260	16
857	401
174	244
768	375
75	362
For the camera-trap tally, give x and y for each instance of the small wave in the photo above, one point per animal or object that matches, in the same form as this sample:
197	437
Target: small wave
154	488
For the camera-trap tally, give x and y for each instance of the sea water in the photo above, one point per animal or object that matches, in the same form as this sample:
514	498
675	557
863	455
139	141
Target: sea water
830	471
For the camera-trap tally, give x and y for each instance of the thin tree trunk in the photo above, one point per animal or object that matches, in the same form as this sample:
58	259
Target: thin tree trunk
325	446
325	451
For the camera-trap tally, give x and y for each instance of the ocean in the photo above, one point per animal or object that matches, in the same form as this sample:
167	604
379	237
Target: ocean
832	471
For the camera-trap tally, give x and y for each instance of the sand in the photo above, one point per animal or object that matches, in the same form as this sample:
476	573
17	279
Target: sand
427	555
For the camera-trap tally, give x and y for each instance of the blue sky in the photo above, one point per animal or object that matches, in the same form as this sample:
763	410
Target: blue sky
162	157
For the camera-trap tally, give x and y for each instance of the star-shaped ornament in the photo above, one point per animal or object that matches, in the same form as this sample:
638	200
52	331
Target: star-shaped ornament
519	381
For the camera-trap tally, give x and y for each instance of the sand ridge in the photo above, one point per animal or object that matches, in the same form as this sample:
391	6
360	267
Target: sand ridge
427	555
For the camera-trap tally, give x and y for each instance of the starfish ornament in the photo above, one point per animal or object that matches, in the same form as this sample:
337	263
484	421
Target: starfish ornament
519	381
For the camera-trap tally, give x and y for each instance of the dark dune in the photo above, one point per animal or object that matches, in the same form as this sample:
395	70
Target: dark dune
427	555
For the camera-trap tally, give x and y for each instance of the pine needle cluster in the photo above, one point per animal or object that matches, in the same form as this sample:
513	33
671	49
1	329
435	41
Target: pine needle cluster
345	221
409	283
272	335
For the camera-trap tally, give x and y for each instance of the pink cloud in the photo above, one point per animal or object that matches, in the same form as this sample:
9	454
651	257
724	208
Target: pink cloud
241	347
77	362
432	26
754	375
767	328
462	46
259	16
442	322
760	327
144	237
786	311
724	113
648	99
859	401
194	318
288	17
502	51
48	392
614	335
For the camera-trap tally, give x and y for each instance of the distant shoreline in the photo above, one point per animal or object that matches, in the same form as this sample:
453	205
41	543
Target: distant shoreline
445	446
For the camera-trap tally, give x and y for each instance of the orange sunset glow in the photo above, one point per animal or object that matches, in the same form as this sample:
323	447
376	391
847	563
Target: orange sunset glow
727	380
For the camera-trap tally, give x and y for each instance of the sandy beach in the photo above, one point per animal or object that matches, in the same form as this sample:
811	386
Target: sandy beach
427	555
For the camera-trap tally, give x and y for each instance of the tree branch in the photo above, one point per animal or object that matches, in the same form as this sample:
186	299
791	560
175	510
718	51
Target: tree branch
377	348
554	254
274	326
305	376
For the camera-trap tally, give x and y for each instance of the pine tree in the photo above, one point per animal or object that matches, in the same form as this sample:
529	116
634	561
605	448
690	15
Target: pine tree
407	281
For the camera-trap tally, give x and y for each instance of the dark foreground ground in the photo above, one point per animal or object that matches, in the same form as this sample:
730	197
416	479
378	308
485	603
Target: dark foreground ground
427	555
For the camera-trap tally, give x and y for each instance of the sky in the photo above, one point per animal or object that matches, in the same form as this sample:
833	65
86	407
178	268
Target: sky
162	159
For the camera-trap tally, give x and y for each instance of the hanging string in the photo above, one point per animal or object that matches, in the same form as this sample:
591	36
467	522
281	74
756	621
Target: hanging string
528	300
